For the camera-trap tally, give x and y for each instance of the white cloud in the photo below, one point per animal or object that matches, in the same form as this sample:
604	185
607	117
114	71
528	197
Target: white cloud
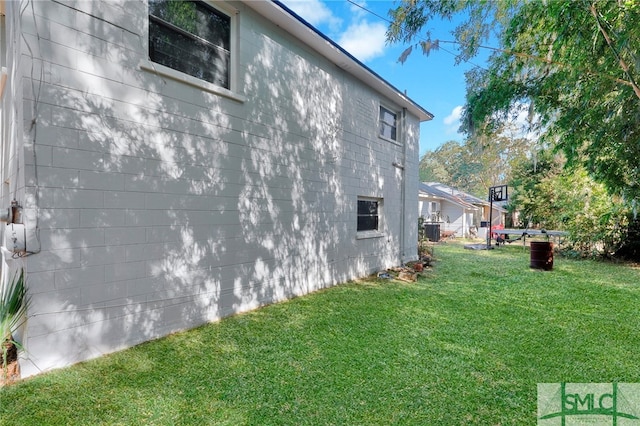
454	117
357	8
364	40
315	12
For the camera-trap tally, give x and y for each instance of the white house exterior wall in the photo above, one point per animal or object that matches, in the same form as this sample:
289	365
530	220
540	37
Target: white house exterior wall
453	217
423	207
161	206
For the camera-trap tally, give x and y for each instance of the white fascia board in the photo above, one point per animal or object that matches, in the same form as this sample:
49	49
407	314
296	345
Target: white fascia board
460	204
431	196
286	19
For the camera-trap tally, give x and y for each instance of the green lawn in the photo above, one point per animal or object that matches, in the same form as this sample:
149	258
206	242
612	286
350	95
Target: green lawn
466	345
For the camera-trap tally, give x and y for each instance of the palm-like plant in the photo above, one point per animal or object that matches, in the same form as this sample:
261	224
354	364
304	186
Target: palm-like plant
14	302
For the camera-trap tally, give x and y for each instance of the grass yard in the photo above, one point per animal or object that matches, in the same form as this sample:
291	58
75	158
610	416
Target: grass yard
467	345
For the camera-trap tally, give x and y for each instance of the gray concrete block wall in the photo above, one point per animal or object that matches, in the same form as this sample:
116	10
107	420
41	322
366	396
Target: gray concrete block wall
162	206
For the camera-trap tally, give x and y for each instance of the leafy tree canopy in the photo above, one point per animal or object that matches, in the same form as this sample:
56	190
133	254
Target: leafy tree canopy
476	164
575	64
553	197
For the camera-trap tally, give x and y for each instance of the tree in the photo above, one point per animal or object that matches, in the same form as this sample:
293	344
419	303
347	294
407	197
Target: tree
550	196
447	164
435	166
476	164
573	64
528	196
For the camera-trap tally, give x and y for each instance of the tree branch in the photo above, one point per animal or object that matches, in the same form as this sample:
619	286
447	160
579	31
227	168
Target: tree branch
631	83
623	64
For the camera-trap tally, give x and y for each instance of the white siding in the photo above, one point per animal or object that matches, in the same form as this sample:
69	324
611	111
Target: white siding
161	206
453	217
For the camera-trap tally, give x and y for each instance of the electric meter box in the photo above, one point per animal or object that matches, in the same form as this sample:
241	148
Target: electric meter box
15	237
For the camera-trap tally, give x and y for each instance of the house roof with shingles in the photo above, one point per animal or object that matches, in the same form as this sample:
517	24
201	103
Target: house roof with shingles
471	199
433	189
451	194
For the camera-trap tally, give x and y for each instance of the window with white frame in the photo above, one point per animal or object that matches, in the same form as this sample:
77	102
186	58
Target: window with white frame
191	37
388	124
369	211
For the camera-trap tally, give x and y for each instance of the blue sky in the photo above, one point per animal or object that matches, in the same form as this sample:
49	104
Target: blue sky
433	81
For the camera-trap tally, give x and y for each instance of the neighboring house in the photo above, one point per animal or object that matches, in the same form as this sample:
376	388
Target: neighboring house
174	163
454	214
456	211
498	217
500	213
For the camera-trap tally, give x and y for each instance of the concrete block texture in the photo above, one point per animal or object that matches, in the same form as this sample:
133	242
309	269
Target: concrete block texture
163	205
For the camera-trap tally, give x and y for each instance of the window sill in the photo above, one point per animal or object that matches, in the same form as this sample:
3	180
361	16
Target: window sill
362	235
164	71
390	140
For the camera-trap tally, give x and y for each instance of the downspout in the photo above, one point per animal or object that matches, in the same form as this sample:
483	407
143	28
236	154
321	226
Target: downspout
403	183
403	137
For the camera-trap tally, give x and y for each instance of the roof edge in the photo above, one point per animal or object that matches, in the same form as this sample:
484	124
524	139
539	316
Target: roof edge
276	12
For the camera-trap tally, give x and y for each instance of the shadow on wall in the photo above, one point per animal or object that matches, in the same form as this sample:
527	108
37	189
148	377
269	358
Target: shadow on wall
165	207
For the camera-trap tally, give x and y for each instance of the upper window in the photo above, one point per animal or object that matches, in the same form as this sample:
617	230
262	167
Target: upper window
388	125
191	37
368	215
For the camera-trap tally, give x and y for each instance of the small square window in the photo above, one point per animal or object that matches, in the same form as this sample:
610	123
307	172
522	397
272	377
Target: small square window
191	37
368	215
388	124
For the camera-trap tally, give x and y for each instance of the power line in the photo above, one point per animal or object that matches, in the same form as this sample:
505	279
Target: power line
369	11
419	38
